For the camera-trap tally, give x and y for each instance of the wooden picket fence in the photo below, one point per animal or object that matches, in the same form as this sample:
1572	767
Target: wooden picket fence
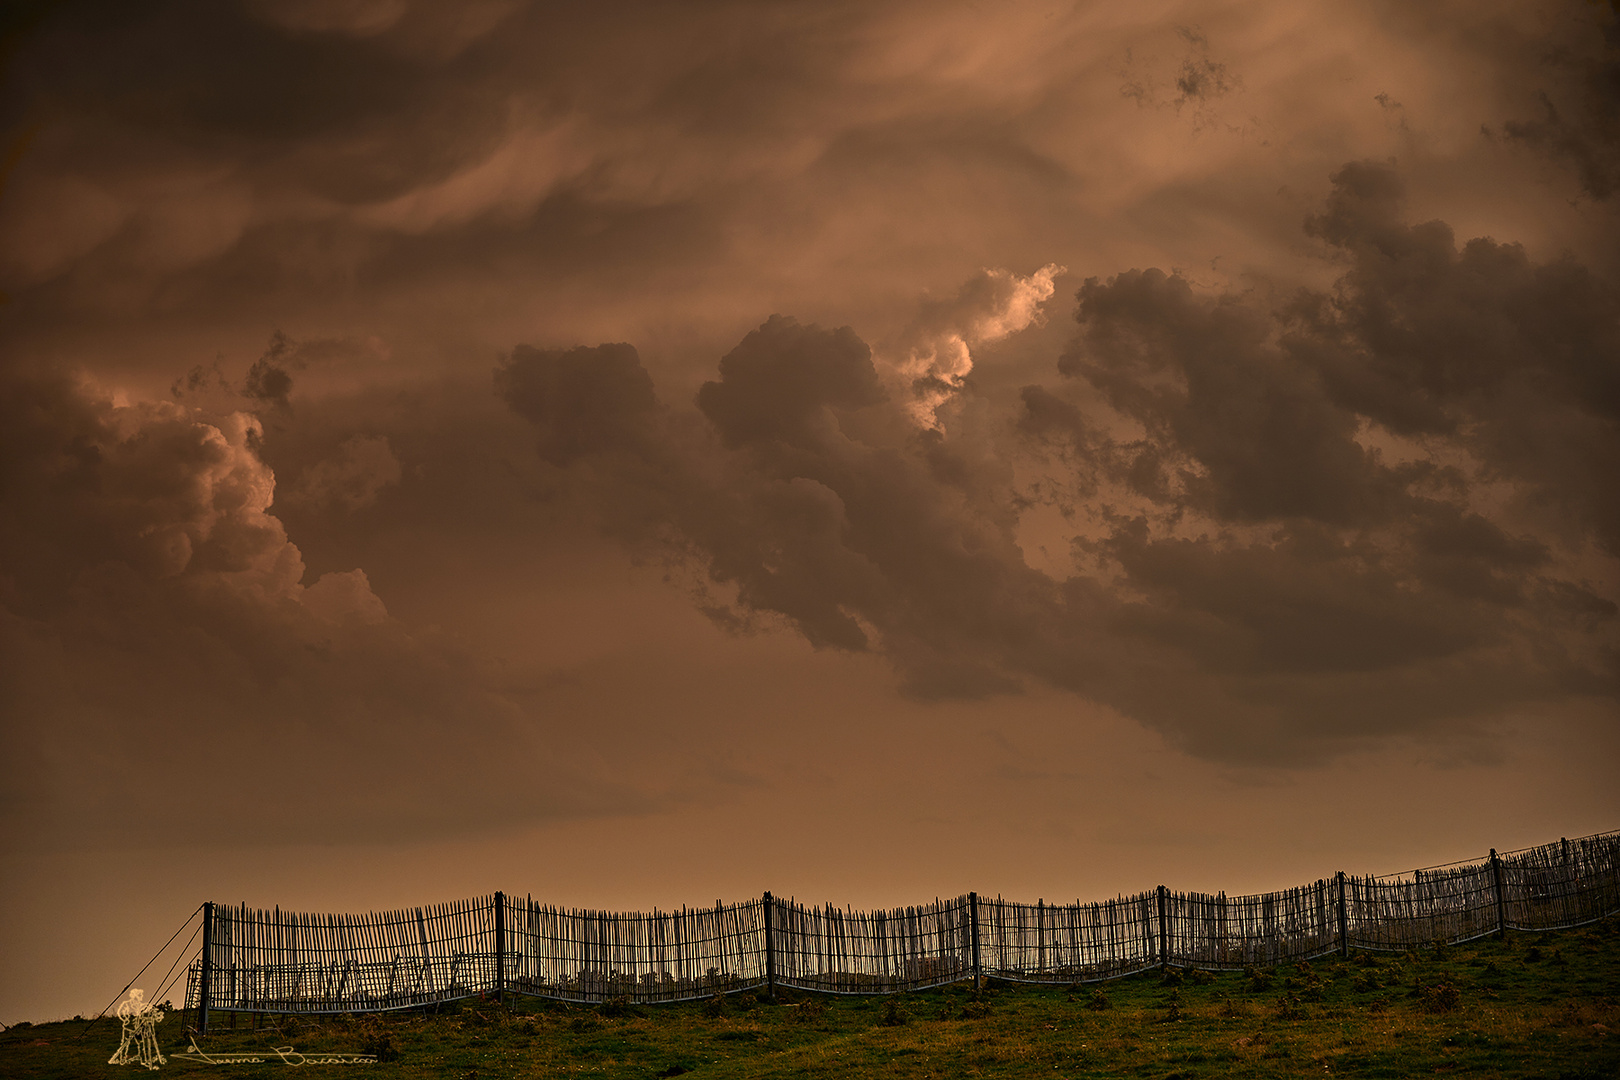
260	961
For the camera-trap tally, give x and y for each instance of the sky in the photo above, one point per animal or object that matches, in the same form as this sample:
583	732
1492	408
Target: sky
645	454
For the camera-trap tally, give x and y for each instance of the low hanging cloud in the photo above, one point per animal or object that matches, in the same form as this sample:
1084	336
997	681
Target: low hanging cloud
1377	510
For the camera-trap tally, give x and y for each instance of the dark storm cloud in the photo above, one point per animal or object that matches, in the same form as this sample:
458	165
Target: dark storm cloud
1386	467
1250	435
159	641
779	382
215	77
244	159
1516	362
223	150
1501	370
812	496
1270	579
583	400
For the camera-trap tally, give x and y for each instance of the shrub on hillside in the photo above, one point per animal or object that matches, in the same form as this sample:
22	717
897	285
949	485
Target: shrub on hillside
1442	997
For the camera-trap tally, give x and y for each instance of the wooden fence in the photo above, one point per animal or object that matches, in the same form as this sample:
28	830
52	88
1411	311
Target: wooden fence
255	960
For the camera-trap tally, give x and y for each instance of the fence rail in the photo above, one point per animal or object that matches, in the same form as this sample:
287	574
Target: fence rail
255	960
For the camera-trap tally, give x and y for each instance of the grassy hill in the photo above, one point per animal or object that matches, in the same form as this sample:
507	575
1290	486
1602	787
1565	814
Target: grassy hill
1529	1005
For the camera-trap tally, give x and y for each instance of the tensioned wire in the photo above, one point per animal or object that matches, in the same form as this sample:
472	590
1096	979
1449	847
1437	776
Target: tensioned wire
96	1019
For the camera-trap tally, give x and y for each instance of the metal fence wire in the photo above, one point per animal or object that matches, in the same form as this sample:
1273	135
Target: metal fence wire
255	960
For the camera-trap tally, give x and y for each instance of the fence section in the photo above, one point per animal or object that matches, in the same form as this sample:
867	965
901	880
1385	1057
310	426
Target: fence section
1044	942
871	952
1444	905
1563	884
1223	931
664	956
275	961
272	961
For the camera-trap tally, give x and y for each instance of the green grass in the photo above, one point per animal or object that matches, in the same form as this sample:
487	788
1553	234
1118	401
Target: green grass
1529	1006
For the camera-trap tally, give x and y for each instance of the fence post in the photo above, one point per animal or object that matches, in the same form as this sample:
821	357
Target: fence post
1164	931
605	957
973	923
1344	920
205	980
1040	935
1501	900
500	946
1321	905
770	950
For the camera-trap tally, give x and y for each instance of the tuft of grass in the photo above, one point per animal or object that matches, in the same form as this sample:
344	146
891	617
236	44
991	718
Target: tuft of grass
1288	1008
977	1006
811	1010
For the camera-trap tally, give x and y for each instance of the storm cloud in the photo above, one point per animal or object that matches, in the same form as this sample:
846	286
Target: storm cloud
1350	516
160	642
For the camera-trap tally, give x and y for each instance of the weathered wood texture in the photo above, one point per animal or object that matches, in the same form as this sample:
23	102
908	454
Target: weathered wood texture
275	961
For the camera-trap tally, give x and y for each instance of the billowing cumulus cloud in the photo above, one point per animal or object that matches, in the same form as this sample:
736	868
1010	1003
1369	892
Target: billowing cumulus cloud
781	382
1308	528
1328	488
1513	362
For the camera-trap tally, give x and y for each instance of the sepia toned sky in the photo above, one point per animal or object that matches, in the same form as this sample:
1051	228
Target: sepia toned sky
641	454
